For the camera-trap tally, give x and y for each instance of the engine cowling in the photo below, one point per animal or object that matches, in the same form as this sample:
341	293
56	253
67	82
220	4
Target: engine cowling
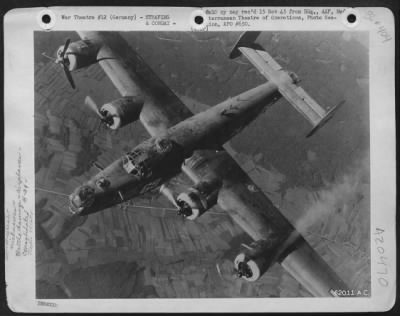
199	198
255	260
123	111
80	54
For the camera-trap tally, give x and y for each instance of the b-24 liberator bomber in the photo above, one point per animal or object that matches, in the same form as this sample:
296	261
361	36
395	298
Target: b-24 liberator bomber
193	144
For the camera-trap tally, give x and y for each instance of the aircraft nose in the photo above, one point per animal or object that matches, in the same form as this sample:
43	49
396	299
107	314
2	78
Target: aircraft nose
81	199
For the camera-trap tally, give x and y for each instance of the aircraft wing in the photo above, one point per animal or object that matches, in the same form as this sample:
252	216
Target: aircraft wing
254	212
132	77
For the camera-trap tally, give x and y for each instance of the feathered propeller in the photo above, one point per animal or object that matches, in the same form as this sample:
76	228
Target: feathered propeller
63	60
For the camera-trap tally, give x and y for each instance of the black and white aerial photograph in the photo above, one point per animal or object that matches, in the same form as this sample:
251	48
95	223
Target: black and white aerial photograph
202	164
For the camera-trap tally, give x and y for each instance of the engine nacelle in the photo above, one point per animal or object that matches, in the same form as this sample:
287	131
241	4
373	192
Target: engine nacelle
80	54
255	260
199	198
122	111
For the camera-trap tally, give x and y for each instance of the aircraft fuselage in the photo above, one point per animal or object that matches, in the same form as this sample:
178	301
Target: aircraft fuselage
157	159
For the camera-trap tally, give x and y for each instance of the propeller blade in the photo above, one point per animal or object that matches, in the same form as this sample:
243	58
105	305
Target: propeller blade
219	271
67	42
98	166
69	76
226	270
169	195
93	106
246	246
47	56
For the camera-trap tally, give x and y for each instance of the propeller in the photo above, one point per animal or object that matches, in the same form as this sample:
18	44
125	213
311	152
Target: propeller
98	166
69	76
246	246
107	119
61	59
226	270
48	57
67	42
167	192
93	107
243	270
183	209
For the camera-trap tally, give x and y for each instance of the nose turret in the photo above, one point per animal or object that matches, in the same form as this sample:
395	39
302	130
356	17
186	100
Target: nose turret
81	199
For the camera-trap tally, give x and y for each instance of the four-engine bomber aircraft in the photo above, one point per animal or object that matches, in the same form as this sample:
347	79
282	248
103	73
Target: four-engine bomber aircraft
193	144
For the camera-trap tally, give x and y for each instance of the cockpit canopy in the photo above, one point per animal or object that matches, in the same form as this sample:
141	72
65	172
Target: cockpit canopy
140	160
132	165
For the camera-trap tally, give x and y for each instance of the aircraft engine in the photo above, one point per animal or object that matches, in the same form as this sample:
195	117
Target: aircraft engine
78	54
254	260
121	112
199	198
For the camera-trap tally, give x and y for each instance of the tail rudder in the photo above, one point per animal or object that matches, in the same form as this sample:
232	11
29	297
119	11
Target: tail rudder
246	39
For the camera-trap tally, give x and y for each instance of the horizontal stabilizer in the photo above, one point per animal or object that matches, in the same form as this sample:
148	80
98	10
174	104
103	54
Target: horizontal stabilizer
285	81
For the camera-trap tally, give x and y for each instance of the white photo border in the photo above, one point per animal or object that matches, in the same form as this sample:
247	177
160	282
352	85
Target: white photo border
19	27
